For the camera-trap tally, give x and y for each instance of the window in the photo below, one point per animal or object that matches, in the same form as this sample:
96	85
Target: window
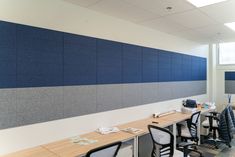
227	53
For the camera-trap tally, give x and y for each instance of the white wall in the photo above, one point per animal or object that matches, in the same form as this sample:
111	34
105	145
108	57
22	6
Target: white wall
62	16
217	81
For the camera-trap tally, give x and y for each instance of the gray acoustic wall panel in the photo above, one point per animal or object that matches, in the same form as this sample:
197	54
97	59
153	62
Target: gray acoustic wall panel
132	94
150	93
79	100
188	88
8	121
25	106
109	97
33	105
8	108
164	91
7	101
229	87
36	105
180	89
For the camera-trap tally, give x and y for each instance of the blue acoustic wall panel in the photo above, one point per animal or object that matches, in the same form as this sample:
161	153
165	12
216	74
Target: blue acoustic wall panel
7	55
39	57
187	68
230	82
202	67
177	66
109	62
132	64
195	68
230	75
79	60
164	66
150	65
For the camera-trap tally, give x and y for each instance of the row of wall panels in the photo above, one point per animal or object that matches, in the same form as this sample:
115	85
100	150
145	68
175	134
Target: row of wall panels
22	106
229	82
35	57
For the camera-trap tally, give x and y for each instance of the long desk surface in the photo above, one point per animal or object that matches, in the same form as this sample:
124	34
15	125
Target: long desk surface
66	148
33	152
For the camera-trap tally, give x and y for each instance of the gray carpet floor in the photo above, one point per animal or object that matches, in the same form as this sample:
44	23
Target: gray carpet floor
228	152
222	151
209	150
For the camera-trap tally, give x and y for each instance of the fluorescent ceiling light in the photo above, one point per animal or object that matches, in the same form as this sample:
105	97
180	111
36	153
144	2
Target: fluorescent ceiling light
202	3
230	25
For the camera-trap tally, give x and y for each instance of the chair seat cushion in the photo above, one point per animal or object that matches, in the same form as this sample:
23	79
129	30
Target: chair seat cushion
206	124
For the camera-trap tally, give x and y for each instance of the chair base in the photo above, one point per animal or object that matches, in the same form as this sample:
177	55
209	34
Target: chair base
188	148
216	142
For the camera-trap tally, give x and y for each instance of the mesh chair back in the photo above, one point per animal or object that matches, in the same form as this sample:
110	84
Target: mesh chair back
192	124
110	150
163	142
232	114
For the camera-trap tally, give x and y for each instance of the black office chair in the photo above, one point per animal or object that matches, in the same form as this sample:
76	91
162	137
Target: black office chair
109	150
163	143
212	124
222	123
189	131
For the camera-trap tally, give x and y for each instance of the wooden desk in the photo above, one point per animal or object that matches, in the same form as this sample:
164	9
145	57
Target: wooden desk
143	124
66	148
33	152
175	117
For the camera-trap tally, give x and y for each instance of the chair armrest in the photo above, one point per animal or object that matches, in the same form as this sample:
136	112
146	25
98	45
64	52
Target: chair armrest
214	113
209	116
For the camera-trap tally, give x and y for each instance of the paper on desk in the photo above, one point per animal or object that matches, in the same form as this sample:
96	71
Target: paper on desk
107	130
132	130
82	141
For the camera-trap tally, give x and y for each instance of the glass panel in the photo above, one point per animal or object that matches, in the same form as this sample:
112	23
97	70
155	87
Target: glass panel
227	53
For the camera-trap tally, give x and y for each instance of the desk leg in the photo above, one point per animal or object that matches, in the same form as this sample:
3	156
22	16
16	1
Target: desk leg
174	133
136	147
199	130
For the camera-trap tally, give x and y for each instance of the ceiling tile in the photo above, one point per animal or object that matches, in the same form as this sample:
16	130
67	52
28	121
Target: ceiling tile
223	12
164	25
209	34
83	3
184	20
159	6
192	35
192	19
121	9
215	31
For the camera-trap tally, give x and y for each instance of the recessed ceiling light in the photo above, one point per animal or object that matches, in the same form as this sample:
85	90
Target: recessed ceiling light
230	25
168	8
202	3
